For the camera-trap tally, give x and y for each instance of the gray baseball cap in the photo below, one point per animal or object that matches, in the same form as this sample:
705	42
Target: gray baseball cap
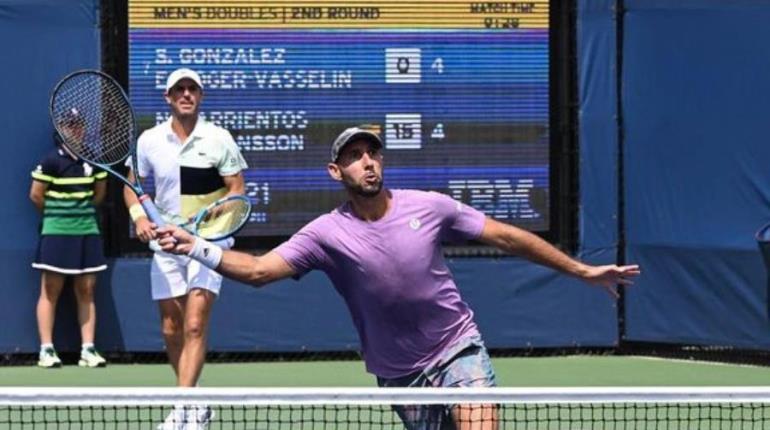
351	135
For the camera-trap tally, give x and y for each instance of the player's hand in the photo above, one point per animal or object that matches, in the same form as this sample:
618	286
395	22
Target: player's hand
611	275
145	230
175	240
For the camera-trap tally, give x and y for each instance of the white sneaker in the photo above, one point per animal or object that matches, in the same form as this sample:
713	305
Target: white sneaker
89	357
48	359
175	420
198	417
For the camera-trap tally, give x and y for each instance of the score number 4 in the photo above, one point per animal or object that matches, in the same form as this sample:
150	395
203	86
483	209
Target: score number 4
438	130
438	65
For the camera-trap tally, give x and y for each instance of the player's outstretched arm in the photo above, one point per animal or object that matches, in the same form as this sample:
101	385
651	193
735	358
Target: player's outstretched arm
240	266
525	244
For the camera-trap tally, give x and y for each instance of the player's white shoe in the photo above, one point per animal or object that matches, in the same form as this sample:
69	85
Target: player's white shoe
188	418
48	359
89	357
175	420
198	417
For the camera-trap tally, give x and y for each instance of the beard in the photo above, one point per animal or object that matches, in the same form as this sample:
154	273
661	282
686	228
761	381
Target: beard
364	189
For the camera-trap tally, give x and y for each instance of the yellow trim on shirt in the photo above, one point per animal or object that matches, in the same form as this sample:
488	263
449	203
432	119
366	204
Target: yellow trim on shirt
41	177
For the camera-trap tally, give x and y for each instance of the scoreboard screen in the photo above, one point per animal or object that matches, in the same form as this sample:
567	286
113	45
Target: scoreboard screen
459	91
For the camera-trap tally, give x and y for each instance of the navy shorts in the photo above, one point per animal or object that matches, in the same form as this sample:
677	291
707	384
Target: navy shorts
70	255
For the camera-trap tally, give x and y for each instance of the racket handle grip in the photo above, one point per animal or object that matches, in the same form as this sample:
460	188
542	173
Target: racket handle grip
152	211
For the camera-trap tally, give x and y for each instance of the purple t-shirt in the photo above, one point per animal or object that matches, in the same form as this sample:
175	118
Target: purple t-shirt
393	277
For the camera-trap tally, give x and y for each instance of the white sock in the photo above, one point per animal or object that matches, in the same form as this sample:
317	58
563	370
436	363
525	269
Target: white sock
44	346
86	346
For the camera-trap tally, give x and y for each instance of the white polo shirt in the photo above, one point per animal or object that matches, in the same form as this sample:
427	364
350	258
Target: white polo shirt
188	175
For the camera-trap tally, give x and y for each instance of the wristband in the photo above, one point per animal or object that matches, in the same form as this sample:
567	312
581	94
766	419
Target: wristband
206	253
136	211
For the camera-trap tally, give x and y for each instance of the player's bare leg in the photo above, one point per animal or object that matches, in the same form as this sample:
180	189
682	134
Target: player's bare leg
196	319
84	293
475	417
51	285
172	324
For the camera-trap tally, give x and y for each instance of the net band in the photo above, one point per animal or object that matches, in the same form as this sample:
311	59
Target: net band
411	408
371	396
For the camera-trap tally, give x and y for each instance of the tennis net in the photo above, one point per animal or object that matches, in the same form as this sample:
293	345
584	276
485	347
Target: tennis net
355	408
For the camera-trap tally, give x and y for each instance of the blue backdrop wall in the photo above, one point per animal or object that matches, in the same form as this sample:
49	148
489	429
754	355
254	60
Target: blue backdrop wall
695	103
693	106
41	40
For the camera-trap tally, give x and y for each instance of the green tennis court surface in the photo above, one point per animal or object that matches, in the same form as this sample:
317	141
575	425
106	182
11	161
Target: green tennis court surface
573	371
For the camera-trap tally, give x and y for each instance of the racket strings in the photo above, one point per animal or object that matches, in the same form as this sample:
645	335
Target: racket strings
93	118
223	219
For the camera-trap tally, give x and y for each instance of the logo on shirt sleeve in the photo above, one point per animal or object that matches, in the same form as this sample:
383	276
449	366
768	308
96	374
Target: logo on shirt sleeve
415	223
87	169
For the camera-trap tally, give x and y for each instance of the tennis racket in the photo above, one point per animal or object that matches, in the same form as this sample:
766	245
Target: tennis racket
219	220
93	117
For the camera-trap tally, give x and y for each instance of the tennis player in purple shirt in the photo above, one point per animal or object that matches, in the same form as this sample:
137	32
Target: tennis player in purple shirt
382	251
